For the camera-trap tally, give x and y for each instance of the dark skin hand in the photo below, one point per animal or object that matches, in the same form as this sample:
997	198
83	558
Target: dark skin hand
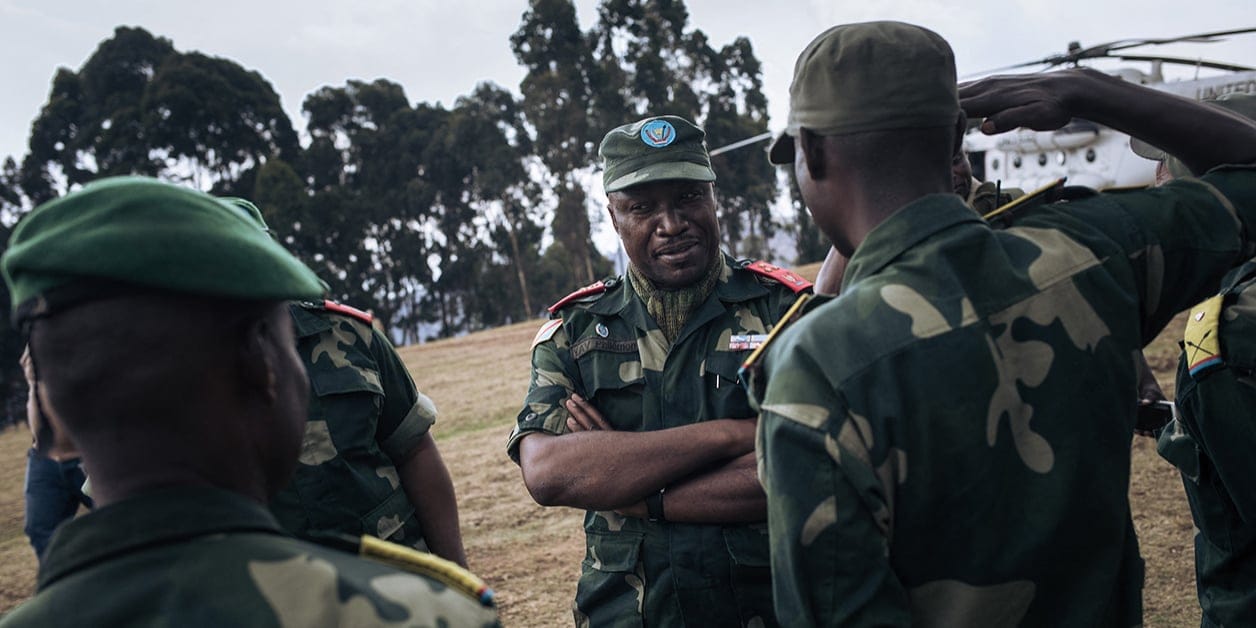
1201	136
727	493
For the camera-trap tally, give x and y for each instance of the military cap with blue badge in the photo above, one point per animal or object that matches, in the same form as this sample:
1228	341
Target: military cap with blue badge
654	149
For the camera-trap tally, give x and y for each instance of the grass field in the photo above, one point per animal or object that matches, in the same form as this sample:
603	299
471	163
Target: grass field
531	555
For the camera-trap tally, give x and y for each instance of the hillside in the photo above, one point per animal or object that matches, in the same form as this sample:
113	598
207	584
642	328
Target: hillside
531	555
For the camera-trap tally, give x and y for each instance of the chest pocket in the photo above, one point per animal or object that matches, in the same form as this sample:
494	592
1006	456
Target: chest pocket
347	398
613	378
726	395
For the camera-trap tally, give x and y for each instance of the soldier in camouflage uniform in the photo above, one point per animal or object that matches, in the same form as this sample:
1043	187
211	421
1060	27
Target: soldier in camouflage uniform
634	412
947	442
368	463
162	344
984	197
1212	439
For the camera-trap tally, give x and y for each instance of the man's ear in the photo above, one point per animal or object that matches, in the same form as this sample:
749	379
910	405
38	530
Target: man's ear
961	127
812	148
257	359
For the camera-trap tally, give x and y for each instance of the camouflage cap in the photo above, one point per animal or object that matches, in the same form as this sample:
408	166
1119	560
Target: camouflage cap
654	149
873	76
136	233
1243	104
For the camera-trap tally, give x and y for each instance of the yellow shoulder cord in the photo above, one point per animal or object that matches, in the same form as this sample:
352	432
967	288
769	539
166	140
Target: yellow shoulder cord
1024	199
430	565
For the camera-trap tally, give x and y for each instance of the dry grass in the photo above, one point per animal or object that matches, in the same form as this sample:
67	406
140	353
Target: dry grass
531	555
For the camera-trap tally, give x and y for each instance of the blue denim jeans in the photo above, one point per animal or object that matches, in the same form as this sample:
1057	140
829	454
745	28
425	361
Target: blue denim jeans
54	491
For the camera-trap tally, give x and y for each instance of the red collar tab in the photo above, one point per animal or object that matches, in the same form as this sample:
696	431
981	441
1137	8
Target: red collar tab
791	279
351	312
591	289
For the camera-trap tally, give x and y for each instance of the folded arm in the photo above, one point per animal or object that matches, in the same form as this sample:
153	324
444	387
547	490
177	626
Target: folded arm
600	469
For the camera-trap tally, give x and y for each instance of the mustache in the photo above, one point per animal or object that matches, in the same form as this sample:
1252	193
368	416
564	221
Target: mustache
676	245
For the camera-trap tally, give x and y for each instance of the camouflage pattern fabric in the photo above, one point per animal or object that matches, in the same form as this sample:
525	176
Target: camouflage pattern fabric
948	442
1212	442
365	416
205	557
611	352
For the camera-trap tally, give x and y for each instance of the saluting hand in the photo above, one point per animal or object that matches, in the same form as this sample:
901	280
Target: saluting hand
1041	102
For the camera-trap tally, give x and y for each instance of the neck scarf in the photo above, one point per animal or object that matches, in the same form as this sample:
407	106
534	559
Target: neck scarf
671	308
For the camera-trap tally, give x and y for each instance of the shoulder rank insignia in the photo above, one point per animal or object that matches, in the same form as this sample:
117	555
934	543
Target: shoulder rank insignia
546	331
1203	348
589	290
791	279
430	565
351	312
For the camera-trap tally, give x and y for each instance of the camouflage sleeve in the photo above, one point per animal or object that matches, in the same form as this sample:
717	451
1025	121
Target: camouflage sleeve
1168	246
829	516
554	377
407	414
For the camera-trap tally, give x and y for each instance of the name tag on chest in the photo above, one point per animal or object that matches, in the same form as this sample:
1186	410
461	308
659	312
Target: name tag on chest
743	342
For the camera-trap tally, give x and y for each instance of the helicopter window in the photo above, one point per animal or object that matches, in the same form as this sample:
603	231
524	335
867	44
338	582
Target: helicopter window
1061	158
1042	159
994	165
1016	161
1090	155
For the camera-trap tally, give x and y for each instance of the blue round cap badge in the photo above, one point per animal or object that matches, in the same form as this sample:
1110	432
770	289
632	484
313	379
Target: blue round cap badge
658	133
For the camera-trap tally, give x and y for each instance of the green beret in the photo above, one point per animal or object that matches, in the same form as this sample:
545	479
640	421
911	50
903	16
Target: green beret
875	76
654	149
136	234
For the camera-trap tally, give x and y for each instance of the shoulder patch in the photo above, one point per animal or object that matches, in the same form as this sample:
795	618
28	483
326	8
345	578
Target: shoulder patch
546	332
589	290
430	565
1203	348
789	278
351	312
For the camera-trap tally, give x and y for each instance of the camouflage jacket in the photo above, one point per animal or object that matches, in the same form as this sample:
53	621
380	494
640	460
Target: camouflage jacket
365	416
948	442
204	557
608	349
1212	442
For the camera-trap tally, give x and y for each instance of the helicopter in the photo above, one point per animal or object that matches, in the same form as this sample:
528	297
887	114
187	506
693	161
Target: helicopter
1086	153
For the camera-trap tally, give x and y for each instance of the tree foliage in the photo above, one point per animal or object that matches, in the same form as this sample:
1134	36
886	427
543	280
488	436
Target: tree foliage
440	220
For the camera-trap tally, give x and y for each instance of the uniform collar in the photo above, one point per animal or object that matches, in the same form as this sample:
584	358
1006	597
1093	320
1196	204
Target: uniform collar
734	287
164	517
915	222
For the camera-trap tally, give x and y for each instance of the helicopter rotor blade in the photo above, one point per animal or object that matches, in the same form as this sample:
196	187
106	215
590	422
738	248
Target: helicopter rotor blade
1216	65
1106	49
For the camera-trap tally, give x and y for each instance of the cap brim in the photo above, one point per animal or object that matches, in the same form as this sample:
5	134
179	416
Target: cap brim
782	151
662	172
1145	150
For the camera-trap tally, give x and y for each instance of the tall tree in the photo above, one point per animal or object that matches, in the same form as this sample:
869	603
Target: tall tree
138	106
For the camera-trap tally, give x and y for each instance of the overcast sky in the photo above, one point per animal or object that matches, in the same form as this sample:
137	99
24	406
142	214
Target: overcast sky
439	50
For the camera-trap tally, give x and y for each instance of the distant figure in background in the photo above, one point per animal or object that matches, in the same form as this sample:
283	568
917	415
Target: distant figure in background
368	462
54	473
1213	439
